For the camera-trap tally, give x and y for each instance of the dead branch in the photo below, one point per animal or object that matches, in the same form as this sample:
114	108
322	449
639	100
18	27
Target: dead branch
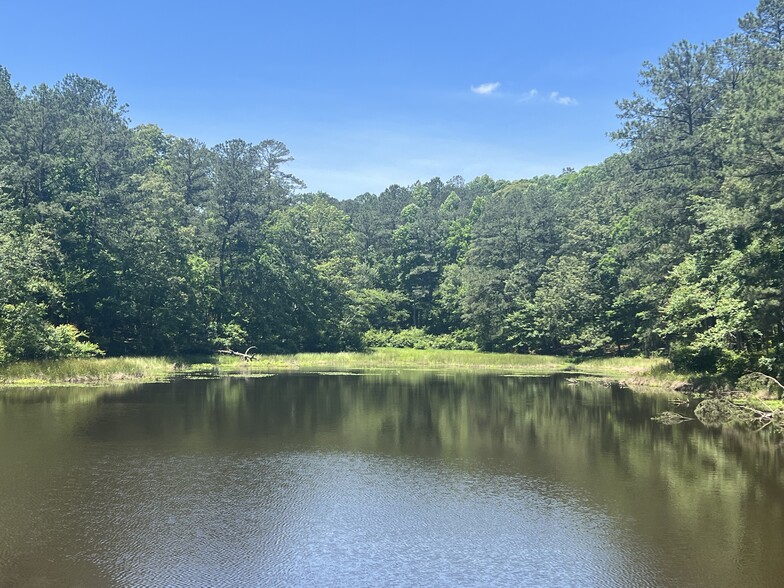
779	384
247	356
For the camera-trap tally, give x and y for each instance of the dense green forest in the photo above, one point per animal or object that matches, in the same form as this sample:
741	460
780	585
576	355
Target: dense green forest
125	240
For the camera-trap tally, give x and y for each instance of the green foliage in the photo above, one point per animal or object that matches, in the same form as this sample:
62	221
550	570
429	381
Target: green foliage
708	359
414	338
67	341
382	309
158	244
568	302
231	336
30	300
26	334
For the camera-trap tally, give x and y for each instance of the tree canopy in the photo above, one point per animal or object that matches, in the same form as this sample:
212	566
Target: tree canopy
124	239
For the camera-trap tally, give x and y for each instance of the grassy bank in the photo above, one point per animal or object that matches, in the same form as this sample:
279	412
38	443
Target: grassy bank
639	371
634	371
86	371
391	358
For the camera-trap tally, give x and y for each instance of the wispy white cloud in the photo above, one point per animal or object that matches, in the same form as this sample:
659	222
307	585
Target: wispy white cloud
486	89
563	100
529	95
533	95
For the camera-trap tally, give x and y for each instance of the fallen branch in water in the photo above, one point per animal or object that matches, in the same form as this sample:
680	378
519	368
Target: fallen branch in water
719	411
247	356
771	378
670	418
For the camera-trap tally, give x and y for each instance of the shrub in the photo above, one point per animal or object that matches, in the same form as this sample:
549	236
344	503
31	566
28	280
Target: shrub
68	341
414	338
708	359
25	333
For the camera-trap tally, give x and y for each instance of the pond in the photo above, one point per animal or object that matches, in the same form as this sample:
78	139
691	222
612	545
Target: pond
405	479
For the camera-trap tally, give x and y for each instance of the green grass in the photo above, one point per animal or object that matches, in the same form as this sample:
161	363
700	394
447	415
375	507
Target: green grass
634	371
392	358
85	371
770	404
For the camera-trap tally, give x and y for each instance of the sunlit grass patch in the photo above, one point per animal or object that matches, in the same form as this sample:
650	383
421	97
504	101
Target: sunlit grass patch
85	371
31	382
336	373
657	368
635	371
393	358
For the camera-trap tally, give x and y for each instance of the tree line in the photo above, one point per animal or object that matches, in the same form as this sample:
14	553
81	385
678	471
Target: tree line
126	240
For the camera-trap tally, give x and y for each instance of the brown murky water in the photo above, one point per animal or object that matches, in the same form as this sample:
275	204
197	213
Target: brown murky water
412	479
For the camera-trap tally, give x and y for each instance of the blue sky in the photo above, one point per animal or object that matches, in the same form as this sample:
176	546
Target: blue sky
367	94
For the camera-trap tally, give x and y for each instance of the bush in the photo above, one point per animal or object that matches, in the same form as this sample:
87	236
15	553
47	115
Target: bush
26	334
708	359
68	341
417	339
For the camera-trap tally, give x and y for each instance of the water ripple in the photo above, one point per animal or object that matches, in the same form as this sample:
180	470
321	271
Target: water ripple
346	519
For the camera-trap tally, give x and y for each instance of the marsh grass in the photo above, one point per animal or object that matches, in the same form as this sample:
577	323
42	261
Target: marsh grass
634	371
86	371
769	404
393	358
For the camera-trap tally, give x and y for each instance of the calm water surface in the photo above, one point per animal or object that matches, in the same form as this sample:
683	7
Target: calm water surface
413	479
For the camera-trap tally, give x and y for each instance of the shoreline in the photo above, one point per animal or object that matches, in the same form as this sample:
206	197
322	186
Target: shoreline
632	372
639	374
